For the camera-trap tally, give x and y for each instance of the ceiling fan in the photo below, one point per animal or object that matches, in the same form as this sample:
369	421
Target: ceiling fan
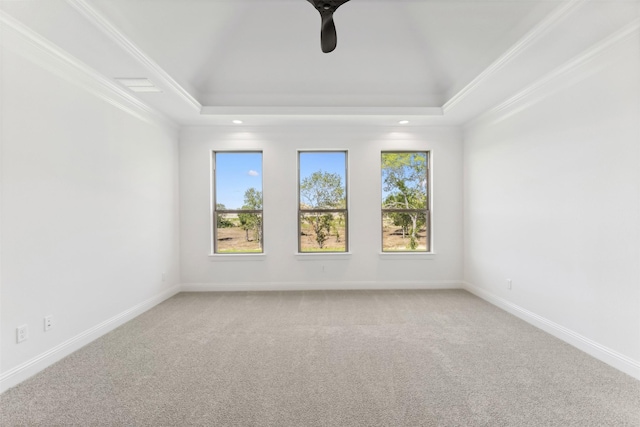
328	37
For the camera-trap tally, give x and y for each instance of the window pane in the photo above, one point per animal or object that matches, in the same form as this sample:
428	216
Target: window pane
238	232
235	175
323	232
404	180
405	231
322	180
322	185
238	202
405	201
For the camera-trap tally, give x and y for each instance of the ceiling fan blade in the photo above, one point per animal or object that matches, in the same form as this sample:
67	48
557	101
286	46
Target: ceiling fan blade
328	36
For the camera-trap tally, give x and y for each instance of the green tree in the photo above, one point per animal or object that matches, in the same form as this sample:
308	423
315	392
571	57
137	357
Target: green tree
337	223
252	221
404	177
322	190
321	225
221	221
399	219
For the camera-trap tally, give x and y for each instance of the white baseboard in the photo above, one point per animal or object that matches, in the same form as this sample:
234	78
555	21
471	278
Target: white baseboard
592	348
33	366
319	286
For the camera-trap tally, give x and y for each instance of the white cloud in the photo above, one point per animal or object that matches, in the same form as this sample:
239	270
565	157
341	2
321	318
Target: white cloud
253	173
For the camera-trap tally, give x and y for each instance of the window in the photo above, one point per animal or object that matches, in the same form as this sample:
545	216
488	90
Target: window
237	202
405	201
322	201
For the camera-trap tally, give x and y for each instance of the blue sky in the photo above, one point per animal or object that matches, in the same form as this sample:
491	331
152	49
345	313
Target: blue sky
332	162
235	174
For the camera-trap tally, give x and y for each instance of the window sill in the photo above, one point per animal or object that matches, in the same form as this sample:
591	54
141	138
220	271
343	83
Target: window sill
407	255
236	257
323	256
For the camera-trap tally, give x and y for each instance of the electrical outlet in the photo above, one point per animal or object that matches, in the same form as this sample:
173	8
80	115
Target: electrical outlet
509	284
22	333
48	323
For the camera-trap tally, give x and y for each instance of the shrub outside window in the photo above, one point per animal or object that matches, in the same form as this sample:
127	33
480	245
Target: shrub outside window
322	201
405	201
237	202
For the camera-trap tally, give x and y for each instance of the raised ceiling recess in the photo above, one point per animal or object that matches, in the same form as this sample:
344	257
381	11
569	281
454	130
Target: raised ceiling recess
213	61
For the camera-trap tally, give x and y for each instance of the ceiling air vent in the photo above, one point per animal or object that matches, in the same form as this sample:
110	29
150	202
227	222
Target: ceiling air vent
139	84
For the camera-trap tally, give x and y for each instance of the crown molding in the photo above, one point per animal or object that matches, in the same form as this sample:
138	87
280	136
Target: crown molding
542	87
100	22
517	49
57	60
51	57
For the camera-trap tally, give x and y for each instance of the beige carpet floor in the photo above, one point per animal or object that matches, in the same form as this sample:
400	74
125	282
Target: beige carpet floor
326	358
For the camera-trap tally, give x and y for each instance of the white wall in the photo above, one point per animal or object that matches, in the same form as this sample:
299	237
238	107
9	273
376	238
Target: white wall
89	207
280	267
89	213
552	201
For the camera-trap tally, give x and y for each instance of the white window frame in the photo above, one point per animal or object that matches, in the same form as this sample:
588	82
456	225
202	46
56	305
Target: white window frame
215	211
428	208
344	211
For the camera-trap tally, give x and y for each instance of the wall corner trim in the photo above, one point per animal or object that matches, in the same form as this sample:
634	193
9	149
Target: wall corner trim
29	44
543	87
557	15
31	367
592	348
100	22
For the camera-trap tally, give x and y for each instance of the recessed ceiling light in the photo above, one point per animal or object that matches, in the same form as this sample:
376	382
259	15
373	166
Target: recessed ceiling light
403	122
237	122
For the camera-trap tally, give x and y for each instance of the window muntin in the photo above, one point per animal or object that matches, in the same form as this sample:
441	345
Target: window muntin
406	217
237	202
323	221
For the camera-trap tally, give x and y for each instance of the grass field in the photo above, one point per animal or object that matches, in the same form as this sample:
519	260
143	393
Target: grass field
234	240
392	240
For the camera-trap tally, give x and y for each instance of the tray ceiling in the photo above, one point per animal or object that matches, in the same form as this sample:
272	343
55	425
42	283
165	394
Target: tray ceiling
263	57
